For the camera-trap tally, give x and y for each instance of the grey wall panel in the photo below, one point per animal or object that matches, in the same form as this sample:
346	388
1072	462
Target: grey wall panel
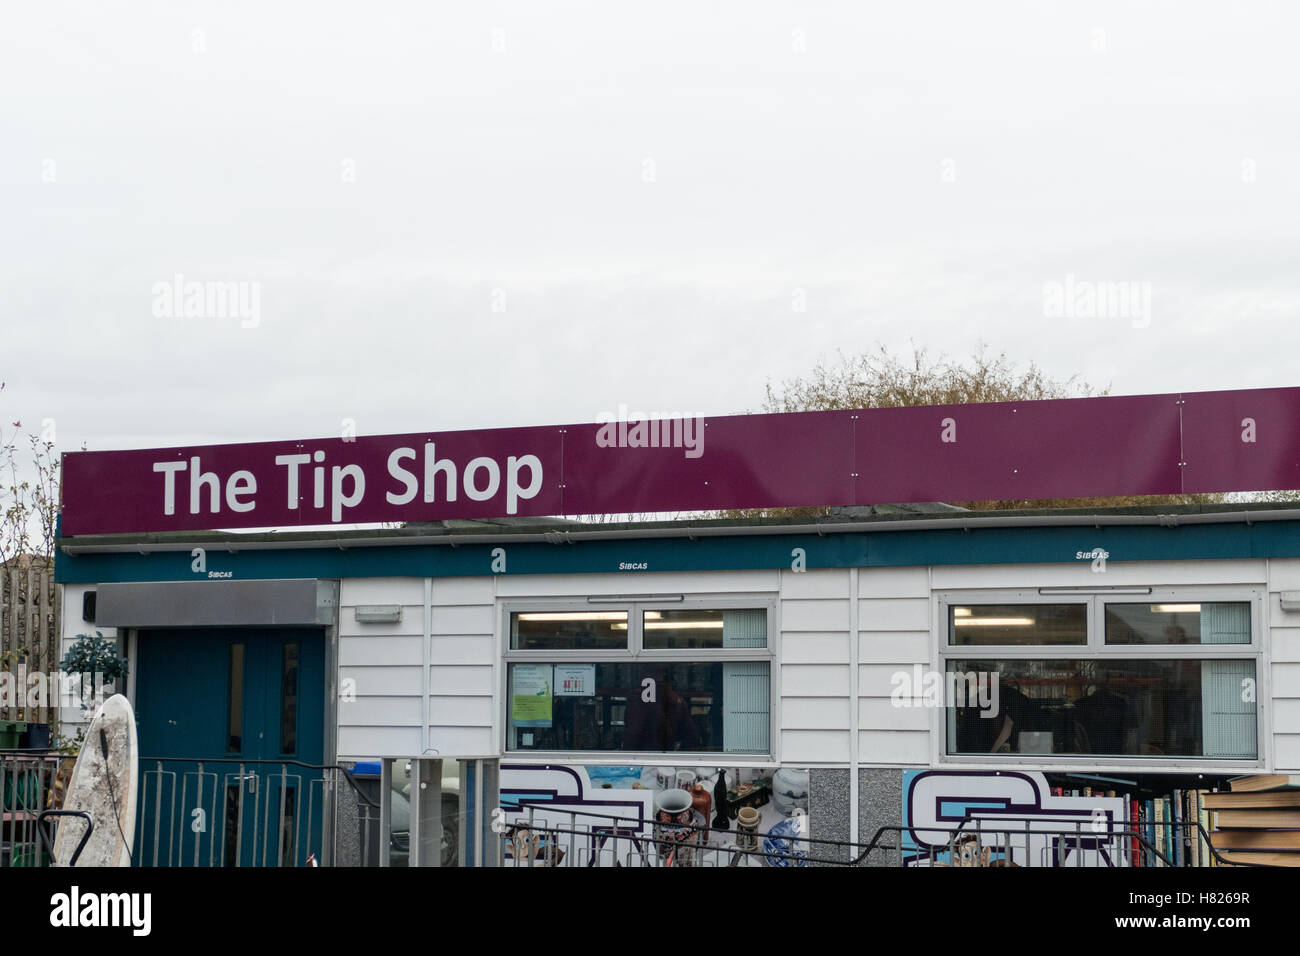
828	814
880	804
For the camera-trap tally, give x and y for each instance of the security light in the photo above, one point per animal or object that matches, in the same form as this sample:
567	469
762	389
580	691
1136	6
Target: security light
378	613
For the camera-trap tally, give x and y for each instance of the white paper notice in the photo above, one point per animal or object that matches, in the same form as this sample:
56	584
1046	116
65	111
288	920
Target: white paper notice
575	680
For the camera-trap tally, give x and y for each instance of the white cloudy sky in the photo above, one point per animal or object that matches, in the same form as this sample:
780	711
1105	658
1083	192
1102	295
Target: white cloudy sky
916	171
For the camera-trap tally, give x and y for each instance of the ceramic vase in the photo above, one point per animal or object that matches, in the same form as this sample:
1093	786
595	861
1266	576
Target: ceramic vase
673	830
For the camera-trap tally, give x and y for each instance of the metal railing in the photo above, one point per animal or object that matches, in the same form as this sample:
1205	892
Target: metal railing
233	812
371	850
1084	844
30	782
222	812
242	813
536	838
578	838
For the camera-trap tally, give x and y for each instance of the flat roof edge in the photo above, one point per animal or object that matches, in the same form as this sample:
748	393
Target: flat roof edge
708	528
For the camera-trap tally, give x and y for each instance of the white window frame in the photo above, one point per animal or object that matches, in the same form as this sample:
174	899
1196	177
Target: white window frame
1095	599
636	652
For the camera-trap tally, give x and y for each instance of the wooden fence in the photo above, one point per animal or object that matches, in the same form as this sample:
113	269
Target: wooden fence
30	627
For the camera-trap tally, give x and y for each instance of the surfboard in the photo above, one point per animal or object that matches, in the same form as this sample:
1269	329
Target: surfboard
104	784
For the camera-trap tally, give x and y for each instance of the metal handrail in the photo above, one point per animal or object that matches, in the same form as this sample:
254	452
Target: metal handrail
1121	830
44	838
734	851
1112	831
1144	842
629	823
629	828
954	833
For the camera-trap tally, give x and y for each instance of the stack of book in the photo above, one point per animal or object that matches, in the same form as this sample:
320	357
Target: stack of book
1258	821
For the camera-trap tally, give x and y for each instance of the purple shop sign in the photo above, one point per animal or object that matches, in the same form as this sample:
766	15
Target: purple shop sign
1245	440
1068	448
468	474
1132	445
745	461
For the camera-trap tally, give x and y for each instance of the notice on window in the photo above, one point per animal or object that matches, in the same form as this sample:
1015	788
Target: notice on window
575	680
533	689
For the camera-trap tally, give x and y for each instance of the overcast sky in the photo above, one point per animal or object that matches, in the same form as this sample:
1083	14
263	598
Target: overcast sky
488	214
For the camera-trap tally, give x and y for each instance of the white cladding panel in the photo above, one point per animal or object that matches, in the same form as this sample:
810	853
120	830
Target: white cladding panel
833	681
1282	648
894	610
73	626
815	678
394	666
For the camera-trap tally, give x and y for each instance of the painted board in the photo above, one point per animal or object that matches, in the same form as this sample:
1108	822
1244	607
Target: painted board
1015	816
605	815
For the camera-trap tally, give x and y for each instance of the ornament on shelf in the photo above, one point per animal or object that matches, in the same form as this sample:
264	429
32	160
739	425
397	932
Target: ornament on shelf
721	821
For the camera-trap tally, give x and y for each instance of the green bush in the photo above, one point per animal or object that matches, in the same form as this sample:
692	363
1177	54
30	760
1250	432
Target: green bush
94	656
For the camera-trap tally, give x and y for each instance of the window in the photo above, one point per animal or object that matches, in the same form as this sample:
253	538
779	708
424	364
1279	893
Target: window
1168	676
639	679
235	736
1173	623
1018	624
289	698
568	630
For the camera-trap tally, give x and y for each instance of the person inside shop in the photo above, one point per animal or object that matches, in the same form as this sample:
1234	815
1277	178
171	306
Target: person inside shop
658	717
1020	713
981	732
1103	724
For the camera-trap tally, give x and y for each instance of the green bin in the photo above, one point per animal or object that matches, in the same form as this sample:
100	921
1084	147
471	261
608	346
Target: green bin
10	731
29	855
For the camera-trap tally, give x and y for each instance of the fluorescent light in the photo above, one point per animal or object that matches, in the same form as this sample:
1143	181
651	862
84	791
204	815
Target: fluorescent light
994	622
674	625
961	612
1177	608
681	625
574	616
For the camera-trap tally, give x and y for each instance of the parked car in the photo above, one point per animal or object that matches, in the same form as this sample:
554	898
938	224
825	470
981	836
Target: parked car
400	829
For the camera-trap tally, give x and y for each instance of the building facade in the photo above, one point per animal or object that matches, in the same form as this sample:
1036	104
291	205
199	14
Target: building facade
857	655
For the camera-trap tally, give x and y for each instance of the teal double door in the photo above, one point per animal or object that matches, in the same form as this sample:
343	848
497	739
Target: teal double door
231	727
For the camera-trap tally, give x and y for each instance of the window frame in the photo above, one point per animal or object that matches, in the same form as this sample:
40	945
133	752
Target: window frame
635	652
1096	648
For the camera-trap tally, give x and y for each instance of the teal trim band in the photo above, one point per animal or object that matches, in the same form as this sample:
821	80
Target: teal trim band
1020	545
